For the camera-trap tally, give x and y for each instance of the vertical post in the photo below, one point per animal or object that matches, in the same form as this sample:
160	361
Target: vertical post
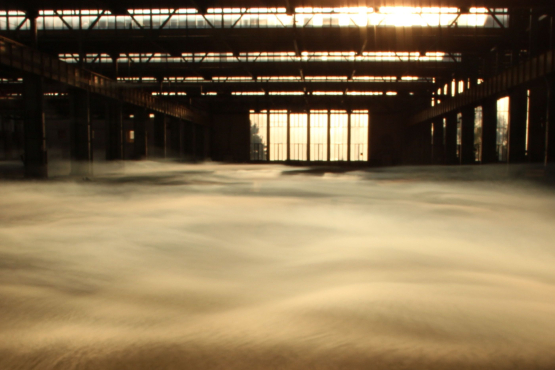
35	156
549	126
451	139
32	16
517	122
467	136
349	113
288	146
175	138
489	129
139	126
80	133
329	136
160	135
268	135
308	136
437	142
114	131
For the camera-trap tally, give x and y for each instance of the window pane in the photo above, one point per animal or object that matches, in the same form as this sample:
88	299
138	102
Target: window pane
459	134
502	133
278	136
478	134
359	137
318	136
298	136
259	141
338	136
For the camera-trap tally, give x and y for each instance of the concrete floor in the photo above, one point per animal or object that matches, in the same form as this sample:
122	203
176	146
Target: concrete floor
173	266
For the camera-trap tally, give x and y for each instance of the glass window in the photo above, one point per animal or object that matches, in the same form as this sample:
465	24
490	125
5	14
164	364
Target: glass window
339	123
502	134
478	134
359	136
298	126
259	132
278	136
459	134
318	135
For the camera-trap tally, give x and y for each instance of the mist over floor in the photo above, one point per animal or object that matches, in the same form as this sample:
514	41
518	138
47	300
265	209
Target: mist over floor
174	266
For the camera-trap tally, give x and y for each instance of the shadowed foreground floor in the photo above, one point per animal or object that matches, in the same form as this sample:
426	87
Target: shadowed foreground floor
172	266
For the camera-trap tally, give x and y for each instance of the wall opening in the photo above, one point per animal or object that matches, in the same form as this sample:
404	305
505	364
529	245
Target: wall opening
502	132
259	136
478	121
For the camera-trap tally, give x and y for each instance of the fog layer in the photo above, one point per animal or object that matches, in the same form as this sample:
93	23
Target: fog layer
172	266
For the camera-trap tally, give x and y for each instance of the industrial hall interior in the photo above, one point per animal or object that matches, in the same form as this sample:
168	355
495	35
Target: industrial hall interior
277	184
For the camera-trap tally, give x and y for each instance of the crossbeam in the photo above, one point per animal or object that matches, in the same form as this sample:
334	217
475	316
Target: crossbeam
26	59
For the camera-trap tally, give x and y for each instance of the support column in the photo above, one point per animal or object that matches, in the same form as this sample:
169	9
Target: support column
328	135
536	130
35	156
437	142
467	136
550	124
308	136
489	130
451	139
139	126
159	136
80	133
176	138
517	126
288	145
114	131
349	136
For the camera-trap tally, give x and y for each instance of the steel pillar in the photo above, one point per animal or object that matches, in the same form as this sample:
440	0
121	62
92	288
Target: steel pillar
139	126
550	123
451	139
536	130
437	142
159	149
114	131
517	126
489	129
35	156
176	138
467	136
80	133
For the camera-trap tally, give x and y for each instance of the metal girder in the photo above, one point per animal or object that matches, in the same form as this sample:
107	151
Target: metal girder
528	71
143	4
26	59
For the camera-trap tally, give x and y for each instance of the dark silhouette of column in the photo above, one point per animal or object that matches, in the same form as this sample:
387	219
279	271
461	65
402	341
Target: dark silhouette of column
467	136
35	156
114	130
139	127
159	136
489	131
80	133
517	126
